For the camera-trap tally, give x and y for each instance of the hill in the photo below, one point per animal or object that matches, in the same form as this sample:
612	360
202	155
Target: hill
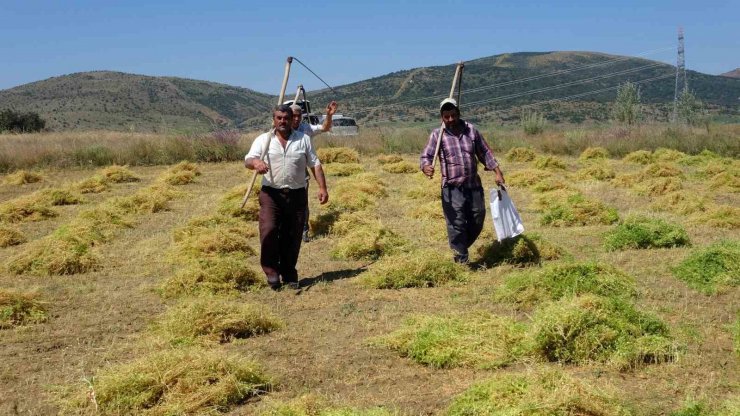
495	89
735	73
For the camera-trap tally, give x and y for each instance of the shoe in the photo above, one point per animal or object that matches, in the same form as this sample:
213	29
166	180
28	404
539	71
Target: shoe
293	285
274	282
306	238
461	259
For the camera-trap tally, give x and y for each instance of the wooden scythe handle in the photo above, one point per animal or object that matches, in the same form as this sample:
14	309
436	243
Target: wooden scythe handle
455	81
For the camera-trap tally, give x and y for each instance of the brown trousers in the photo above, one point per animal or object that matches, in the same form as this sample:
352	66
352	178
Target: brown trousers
281	218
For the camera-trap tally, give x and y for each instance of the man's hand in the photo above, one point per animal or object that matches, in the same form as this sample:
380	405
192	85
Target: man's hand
499	177
428	170
323	196
260	166
331	108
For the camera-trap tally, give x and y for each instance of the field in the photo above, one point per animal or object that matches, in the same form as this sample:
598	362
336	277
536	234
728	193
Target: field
139	291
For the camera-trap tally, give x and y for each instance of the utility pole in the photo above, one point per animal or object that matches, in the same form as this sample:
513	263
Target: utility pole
682	83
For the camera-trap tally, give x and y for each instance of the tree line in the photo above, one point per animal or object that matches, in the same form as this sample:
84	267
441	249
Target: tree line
18	122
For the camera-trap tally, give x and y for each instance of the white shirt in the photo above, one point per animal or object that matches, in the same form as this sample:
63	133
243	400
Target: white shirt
287	166
310	129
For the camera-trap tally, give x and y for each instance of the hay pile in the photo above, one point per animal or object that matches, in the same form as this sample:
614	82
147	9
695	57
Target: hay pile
598	171
312	405
178	381
26	208
537	393
343	169
527	177
10	237
639	232
17	309
711	269
385	159
367	243
520	154
214	319
594	153
230	204
119	174
401	167
718	216
22	177
93	185
521	250
662	154
679	202
477	340
640	157
329	155
566	280
564	209
182	173
426	268
549	162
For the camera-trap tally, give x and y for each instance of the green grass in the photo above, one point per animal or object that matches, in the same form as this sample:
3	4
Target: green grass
214	319
639	232
414	269
590	328
557	281
170	382
474	340
711	269
18	309
536	393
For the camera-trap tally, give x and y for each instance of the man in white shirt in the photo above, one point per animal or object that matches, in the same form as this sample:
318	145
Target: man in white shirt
311	130
283	195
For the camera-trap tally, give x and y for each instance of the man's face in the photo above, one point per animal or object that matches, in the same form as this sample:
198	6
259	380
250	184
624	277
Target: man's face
282	120
296	120
450	117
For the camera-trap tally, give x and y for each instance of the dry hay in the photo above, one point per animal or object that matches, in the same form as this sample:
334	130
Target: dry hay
338	155
549	162
662	170
211	275
422	188
551	184
718	216
640	157
356	193
427	210
598	171
11	237
627	180
714	168
704	157
591	328
557	281
54	256
93	185
58	197
369	183
322	223
184	166
400	167
639	232
119	174
174	381
726	181
385	159
659	186
313	405
520	154
17	309
679	202
711	269
540	392
25	208
349	221
343	169
367	243
22	177
668	155
182	173
477	340
231	202
521	250
527	177
564	210
214	319
425	268
594	153
214	235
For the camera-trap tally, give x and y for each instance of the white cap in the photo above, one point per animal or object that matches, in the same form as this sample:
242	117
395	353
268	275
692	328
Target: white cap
448	101
296	109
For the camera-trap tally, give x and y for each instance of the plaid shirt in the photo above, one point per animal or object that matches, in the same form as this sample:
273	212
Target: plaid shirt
457	156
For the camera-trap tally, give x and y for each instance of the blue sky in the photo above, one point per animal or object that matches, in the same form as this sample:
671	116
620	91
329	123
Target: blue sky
245	43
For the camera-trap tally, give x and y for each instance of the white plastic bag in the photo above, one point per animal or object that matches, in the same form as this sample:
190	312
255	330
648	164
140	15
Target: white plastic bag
506	220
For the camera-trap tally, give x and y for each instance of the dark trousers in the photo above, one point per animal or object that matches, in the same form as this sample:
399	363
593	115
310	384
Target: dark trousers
465	214
282	212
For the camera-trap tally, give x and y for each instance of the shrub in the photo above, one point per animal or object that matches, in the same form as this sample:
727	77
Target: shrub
639	232
521	154
577	210
549	162
415	269
214	319
10	237
179	381
401	167
711	269
533	123
385	159
22	177
520	250
564	280
343	169
594	153
627	104
473	340
641	157
338	155
18	122
17	309
591	328
119	174
537	393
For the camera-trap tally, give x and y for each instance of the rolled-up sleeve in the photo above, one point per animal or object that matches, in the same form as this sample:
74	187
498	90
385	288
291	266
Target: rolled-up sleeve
257	146
427	155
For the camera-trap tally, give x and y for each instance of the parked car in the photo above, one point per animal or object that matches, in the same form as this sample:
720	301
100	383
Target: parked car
342	125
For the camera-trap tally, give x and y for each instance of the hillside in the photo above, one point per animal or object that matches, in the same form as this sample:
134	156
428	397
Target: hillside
735	73
119	101
494	89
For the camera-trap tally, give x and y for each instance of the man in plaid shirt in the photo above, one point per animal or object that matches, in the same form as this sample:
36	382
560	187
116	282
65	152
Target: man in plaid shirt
463	202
